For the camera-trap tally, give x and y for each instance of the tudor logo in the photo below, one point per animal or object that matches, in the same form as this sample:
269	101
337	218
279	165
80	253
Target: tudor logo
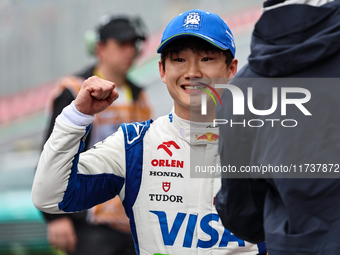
166	198
166	186
166	145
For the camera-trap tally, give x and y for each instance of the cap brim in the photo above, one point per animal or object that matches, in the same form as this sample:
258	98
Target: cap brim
127	36
206	38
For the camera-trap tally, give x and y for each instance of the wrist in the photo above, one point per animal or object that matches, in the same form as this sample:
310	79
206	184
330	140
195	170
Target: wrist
73	117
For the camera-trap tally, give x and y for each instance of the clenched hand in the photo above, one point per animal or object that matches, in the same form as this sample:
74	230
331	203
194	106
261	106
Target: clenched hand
95	95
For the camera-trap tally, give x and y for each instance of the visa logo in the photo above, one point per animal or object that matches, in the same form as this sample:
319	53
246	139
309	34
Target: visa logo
170	234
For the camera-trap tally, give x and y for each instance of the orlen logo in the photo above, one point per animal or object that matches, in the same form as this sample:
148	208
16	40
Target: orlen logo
166	145
170	233
168	162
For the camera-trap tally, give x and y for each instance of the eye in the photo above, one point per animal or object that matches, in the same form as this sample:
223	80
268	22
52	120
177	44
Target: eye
206	59
178	59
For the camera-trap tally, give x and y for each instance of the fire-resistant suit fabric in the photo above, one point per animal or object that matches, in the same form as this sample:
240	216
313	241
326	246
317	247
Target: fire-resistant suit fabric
147	164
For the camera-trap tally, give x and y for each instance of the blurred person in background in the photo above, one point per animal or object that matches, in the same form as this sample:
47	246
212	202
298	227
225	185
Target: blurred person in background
292	39
104	229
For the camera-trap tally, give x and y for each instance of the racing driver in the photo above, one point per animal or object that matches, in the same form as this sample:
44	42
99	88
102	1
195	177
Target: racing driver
148	164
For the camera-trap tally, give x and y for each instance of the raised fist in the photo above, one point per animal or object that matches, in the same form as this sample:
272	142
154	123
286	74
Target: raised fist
95	95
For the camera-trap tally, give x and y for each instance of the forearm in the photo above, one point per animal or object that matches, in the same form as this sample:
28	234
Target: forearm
67	181
54	170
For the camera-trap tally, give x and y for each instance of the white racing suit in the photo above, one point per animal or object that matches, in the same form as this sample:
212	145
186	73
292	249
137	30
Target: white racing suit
147	165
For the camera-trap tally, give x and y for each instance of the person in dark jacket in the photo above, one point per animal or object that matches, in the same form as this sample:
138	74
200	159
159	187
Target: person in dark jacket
104	229
295	212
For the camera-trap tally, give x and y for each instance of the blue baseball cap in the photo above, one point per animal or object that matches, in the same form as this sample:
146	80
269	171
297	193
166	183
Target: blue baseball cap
203	24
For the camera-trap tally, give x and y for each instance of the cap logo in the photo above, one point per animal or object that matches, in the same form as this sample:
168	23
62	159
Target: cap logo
231	38
192	21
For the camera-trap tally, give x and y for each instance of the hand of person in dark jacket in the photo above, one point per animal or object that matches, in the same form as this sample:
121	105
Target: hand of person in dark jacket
61	234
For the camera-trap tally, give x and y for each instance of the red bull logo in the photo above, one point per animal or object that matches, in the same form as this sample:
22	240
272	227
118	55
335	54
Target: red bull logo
209	136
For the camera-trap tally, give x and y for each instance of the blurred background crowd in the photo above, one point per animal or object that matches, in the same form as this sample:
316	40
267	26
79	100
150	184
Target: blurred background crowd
43	40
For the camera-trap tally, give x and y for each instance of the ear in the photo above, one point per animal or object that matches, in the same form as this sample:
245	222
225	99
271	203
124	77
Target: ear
99	49
162	71
233	68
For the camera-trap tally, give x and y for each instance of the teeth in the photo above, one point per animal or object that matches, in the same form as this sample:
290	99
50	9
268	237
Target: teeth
194	87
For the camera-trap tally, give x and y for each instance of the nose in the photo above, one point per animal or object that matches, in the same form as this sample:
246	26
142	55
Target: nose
193	70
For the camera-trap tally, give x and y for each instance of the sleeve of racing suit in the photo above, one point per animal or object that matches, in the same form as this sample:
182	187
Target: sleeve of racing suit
240	204
60	102
69	181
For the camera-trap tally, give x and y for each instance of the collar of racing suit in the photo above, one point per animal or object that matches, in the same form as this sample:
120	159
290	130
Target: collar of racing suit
194	132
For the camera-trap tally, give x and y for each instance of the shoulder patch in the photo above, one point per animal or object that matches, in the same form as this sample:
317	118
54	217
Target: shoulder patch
134	132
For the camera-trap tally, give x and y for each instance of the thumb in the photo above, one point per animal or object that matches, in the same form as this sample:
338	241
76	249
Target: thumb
113	96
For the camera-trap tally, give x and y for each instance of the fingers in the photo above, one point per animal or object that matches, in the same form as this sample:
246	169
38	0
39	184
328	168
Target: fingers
113	96
96	95
99	88
102	92
71	244
61	235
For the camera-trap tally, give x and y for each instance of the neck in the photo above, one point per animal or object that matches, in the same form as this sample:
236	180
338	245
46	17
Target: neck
194	114
118	78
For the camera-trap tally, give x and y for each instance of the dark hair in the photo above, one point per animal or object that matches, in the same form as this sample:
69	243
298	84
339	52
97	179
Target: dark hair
196	45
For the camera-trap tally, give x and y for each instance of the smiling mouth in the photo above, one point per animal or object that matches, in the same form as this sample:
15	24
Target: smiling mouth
192	87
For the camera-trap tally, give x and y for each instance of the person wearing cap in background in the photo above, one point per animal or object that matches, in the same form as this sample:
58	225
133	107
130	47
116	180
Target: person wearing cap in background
148	163
116	42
